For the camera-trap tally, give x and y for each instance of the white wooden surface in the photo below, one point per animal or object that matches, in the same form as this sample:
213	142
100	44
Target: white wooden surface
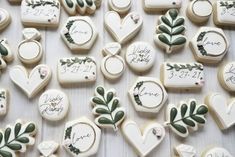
112	144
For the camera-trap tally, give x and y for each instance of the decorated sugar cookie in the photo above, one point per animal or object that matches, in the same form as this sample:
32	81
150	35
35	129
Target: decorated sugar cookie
113	65
48	148
79	33
5	53
209	45
106	108
140	56
30	50
182	75
44	13
226	76
15	138
224	14
31	83
148	95
76	70
120	6
53	105
170	31
144	141
216	152
186	115
72	7
222	110
199	11
3	102
125	29
81	137
5	19
185	150
153	5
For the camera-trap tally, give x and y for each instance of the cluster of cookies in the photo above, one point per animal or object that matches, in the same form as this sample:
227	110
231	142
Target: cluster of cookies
147	94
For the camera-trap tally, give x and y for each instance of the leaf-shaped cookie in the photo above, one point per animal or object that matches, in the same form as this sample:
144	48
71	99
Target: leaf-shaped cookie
106	107
170	31
15	138
187	115
5	53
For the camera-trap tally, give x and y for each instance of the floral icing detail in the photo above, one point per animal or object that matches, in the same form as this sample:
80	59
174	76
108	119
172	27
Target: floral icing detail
43	3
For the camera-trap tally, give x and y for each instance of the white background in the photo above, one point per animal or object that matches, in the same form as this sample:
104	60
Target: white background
112	144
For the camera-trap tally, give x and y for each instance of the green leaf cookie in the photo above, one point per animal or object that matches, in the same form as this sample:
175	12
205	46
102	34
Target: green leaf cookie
15	138
107	109
190	115
170	31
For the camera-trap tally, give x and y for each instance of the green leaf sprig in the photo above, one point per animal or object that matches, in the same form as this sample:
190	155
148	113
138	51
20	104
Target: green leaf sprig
16	138
106	106
170	31
186	116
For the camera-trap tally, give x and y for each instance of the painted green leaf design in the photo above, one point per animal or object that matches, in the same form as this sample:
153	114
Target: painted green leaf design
106	106
69	3
17	129
164	29
16	137
109	97
179	41
103	120
30	128
179	128
102	111
89	2
202	110
100	90
187	115
118	116
170	30
178	31
173	114
14	146
23	140
7	134
114	105
3	50
98	101
164	39
5	153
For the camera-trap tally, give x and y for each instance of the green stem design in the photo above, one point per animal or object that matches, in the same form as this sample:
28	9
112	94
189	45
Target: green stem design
70	62
172	123
179	67
106	104
42	3
227	5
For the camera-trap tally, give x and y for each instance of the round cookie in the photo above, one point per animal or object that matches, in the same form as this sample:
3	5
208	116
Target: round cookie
226	76
53	105
199	11
140	56
5	19
120	6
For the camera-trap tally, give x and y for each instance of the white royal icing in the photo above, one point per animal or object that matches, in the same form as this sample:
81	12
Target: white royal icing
140	56
148	95
53	105
143	141
222	110
182	75
123	30
76	70
40	12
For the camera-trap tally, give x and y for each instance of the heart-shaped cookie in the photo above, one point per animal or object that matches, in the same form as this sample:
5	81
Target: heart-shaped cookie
123	30
222	110
143	141
47	148
31	83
